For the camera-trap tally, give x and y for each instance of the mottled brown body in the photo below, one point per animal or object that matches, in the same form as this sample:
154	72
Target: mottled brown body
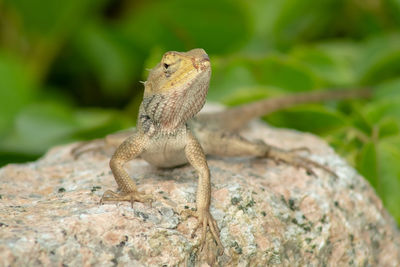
174	92
167	135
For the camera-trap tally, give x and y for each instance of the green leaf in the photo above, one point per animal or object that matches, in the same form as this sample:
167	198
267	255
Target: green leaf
229	78
360	122
334	69
380	59
283	73
16	90
250	94
367	163
264	14
393	8
53	17
181	25
111	59
378	162
97	123
42	125
43	27
310	118
388	90
375	111
299	20
272	73
39	126
345	51
388	126
388	186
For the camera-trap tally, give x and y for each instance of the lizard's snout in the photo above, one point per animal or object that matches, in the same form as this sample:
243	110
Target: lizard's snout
203	62
205	58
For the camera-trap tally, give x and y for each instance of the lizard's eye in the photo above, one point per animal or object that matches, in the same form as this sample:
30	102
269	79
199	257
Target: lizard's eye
166	66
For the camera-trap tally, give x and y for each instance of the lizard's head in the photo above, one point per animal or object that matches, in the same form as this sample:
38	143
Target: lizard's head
177	87
179	71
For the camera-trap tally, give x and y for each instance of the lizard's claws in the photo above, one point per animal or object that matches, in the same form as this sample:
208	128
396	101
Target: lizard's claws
205	219
132	197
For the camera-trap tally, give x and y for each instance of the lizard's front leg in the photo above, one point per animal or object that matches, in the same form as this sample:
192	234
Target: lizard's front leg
197	159
128	150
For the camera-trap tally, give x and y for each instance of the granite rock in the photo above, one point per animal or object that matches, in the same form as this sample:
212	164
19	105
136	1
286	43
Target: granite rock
269	214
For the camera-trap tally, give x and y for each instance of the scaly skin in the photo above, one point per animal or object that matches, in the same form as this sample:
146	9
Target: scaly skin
167	135
174	92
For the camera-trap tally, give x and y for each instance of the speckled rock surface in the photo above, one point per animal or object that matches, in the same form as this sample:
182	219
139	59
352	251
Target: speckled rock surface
269	214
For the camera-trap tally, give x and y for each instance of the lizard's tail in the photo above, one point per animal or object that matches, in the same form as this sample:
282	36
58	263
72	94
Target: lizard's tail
234	118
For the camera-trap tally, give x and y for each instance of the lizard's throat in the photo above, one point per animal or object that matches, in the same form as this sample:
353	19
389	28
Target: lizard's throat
170	110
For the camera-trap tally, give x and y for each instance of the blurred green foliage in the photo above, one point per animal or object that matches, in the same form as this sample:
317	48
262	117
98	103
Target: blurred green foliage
70	70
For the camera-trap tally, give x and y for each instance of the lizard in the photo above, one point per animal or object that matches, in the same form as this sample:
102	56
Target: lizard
169	134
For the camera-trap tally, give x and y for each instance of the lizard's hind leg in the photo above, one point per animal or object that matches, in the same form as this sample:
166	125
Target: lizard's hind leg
233	145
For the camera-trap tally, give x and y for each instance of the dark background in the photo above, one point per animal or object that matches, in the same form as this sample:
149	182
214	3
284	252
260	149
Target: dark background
70	70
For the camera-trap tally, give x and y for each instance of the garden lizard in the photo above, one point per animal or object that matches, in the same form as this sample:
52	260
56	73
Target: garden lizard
168	134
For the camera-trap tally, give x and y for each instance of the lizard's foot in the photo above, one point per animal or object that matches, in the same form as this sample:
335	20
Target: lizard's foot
205	219
132	197
292	158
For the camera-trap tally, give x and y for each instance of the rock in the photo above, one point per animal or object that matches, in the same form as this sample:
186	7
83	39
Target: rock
269	214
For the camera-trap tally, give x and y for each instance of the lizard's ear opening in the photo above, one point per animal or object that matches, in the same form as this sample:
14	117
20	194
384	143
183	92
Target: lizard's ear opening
166	66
